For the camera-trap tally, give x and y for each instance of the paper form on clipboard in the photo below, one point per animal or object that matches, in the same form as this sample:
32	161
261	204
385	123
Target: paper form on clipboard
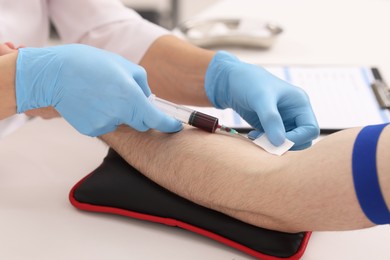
341	96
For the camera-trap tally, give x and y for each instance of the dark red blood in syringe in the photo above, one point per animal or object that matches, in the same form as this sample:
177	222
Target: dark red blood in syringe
203	121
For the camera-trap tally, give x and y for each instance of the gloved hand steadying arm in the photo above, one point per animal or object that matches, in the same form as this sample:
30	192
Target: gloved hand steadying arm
266	102
94	90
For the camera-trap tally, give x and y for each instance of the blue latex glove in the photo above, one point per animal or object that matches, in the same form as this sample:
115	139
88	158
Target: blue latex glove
94	90
266	102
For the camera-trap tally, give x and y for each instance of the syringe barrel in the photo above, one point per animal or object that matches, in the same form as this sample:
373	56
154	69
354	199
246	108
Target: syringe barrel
181	113
203	121
186	115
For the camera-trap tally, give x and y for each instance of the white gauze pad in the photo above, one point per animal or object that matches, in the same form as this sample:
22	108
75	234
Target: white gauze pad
264	143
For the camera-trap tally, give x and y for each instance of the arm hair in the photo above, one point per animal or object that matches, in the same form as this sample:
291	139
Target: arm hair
302	190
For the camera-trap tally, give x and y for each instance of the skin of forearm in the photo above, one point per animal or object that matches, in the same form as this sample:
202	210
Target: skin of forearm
331	187
306	190
176	70
218	171
7	85
317	190
194	164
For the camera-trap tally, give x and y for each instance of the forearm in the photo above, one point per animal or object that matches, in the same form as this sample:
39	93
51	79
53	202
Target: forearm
309	190
196	165
176	70
7	85
222	172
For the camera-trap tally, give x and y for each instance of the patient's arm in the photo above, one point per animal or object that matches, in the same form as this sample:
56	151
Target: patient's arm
7	83
306	190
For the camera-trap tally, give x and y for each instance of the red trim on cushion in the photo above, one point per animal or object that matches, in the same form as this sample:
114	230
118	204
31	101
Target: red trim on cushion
174	222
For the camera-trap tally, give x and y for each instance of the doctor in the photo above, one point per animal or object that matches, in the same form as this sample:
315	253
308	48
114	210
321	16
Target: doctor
96	90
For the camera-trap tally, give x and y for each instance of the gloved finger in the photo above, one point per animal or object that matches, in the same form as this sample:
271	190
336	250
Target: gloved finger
156	119
141	127
102	131
250	117
94	131
302	134
140	77
306	131
271	121
254	134
301	147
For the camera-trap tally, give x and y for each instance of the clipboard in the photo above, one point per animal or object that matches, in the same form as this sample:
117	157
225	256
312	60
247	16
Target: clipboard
381	89
341	96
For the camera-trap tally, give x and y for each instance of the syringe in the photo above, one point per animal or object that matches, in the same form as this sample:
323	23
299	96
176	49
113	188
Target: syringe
189	116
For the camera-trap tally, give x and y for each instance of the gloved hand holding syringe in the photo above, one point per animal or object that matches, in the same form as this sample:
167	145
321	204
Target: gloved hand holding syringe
210	124
189	116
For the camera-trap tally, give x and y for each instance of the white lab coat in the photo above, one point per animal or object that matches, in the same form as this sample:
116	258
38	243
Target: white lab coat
105	24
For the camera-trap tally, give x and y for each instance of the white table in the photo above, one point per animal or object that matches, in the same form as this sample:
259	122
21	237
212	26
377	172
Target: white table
40	162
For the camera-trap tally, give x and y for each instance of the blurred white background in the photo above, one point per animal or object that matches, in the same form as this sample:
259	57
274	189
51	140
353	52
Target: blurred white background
169	12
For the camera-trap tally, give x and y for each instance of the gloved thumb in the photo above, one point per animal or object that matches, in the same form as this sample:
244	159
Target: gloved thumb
271	122
141	79
156	119
255	134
